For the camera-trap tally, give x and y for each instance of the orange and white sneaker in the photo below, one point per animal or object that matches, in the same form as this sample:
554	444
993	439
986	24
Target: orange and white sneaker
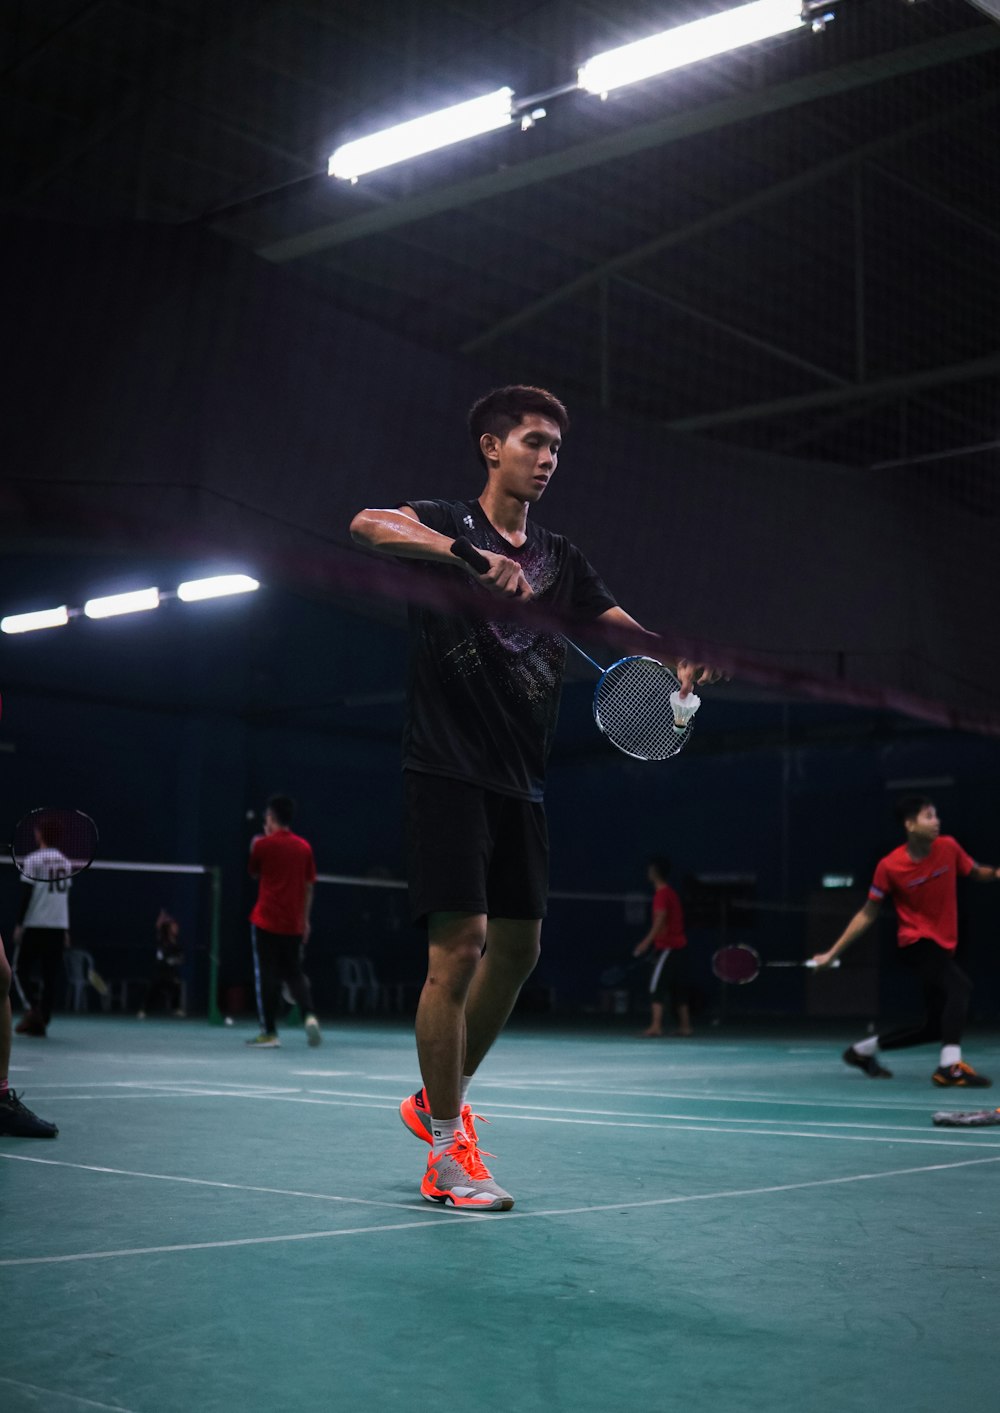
459	1177
416	1115
960	1076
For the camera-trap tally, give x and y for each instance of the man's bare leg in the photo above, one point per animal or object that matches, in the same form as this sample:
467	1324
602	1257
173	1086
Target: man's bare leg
656	1024
512	949
455	945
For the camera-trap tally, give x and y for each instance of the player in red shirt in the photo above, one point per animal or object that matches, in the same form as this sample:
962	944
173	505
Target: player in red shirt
283	863
920	878
668	940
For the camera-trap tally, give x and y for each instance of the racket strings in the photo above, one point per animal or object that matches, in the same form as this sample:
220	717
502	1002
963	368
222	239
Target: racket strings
632	707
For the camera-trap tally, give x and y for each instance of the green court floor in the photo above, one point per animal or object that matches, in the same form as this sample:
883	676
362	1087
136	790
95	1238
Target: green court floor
731	1224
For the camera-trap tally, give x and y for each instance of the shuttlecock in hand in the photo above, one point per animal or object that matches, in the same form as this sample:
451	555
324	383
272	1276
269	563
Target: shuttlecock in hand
683	708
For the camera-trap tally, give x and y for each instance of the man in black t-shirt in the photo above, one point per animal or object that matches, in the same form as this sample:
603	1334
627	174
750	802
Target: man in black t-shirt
482	703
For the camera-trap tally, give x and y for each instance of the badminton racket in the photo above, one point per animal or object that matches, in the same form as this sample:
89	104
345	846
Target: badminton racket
637	703
618	975
975	1118
740	964
51	845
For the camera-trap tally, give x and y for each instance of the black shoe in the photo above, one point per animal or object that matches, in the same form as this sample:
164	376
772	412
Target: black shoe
960	1076
18	1122
868	1063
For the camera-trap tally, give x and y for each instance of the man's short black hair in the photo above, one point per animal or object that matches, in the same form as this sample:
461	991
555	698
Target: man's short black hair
282	808
909	806
661	863
504	408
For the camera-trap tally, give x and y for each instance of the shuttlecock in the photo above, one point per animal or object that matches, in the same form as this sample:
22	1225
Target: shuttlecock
683	708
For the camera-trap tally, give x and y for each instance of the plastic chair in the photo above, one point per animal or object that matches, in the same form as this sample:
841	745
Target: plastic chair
77	963
350	980
375	994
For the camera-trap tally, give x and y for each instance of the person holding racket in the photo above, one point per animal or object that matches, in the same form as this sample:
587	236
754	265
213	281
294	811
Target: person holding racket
16	1119
482	704
920	877
41	936
668	940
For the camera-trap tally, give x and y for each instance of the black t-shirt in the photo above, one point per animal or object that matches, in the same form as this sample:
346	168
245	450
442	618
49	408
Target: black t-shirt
483	696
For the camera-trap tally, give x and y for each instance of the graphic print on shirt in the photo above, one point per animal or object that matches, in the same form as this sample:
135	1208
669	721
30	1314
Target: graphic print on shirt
483	694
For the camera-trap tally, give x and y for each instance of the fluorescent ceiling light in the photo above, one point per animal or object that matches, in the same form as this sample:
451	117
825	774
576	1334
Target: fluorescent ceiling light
138	601
989	7
28	622
426	134
214	588
686	44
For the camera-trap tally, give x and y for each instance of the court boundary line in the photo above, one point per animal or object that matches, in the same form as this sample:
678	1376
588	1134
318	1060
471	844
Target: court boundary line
671	1123
460	1219
678	1123
72	1397
206	1182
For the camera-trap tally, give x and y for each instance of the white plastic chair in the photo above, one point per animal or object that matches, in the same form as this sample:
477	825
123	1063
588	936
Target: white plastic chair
350	981
77	963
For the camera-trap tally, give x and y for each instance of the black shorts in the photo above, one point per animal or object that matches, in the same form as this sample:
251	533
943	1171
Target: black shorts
470	850
670	976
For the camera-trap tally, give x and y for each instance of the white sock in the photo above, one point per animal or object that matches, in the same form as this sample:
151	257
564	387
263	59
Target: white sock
443	1133
466	1081
950	1055
868	1046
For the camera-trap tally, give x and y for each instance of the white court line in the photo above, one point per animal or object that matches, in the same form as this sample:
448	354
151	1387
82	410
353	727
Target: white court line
916	1105
686	1124
465	1219
207	1182
72	1397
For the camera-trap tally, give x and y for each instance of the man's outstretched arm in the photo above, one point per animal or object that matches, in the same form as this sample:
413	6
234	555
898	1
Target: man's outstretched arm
403	535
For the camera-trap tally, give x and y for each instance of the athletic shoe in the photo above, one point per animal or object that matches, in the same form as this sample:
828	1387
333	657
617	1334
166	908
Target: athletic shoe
416	1115
868	1063
459	1177
960	1076
264	1042
313	1035
140	1015
17	1121
30	1023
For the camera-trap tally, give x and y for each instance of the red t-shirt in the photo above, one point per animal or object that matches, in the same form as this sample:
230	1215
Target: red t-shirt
284	864
923	891
671	933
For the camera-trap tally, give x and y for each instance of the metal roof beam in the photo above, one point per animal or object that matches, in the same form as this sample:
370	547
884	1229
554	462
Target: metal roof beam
639	138
723	217
986	367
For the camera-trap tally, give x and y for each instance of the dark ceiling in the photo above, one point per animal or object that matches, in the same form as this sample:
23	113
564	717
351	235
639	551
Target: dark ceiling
792	247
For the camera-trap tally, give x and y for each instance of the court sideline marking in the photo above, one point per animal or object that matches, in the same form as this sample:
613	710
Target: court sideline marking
467	1218
688	1124
71	1397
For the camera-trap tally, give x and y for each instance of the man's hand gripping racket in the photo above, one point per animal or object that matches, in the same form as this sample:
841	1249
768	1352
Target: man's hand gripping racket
639	705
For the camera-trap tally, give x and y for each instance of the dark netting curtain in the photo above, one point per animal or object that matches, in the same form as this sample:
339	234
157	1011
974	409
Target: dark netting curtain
171	392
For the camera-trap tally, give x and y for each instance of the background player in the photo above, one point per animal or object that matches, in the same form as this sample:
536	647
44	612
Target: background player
668	940
41	936
165	983
283	864
482	705
920	878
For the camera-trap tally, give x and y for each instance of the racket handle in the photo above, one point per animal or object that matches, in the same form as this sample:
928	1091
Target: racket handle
812	965
464	550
